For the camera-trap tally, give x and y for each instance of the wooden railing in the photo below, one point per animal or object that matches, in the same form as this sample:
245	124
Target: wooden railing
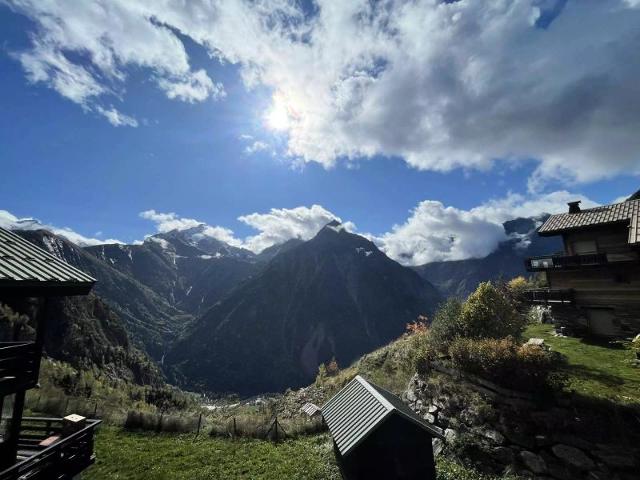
19	366
63	459
546	295
549	262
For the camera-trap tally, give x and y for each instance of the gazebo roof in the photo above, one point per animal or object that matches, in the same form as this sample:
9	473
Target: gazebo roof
29	271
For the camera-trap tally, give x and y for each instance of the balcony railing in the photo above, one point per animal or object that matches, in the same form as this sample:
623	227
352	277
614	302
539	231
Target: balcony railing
546	295
550	262
45	453
19	365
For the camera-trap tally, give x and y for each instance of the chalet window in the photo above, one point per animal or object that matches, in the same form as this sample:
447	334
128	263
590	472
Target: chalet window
584	247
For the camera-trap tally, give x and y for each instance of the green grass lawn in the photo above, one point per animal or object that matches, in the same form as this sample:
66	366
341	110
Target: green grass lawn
595	369
152	456
126	455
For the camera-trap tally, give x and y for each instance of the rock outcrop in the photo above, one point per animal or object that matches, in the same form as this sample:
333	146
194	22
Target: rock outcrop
555	439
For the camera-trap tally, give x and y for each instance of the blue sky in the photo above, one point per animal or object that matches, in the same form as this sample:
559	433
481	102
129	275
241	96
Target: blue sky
66	164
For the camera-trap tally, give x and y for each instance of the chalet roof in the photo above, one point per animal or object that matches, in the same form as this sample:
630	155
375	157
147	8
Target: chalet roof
359	408
27	270
628	211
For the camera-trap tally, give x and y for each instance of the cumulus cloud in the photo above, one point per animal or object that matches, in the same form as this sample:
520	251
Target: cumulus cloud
165	222
276	226
11	222
82	51
442	85
195	87
435	232
516	205
282	224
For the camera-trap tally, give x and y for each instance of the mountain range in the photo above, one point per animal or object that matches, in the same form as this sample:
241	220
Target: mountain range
336	295
223	319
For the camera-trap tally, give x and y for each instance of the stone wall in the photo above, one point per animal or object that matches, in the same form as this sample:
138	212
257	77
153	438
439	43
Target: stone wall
559	438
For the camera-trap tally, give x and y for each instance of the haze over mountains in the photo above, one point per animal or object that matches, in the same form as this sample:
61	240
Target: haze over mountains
224	319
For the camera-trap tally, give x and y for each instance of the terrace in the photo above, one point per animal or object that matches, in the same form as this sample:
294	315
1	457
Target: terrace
47	451
549	262
548	295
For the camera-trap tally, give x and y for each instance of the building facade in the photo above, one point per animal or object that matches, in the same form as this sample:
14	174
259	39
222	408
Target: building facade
593	286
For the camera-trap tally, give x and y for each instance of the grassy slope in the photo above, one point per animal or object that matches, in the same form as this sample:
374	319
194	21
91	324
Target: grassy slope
595	370
150	456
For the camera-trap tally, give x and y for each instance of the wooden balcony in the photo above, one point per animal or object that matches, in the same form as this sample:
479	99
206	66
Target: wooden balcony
19	366
551	262
546	296
44	453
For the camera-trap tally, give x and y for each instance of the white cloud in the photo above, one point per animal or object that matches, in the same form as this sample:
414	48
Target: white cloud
257	146
516	205
83	49
11	222
434	232
276	226
165	222
195	87
442	85
282	224
117	118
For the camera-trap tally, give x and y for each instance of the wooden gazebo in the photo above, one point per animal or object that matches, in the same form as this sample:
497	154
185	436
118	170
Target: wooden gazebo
35	448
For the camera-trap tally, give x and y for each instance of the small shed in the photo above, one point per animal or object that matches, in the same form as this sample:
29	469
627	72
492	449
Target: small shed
311	410
377	436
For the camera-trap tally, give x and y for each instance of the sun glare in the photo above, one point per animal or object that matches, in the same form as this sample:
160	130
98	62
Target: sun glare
280	115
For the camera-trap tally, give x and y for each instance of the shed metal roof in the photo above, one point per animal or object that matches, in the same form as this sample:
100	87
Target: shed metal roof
310	409
359	408
29	270
628	211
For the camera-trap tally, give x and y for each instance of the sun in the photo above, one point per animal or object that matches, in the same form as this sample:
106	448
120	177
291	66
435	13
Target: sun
277	118
281	114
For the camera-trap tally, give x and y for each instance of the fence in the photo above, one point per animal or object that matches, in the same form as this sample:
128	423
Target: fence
259	424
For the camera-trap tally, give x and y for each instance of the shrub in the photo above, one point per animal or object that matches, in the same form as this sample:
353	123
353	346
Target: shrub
503	361
418	327
141	421
446	324
332	368
489	313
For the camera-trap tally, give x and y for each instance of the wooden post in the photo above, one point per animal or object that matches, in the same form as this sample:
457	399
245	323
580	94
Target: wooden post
276	428
234	427
66	408
14	428
199	423
95	410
